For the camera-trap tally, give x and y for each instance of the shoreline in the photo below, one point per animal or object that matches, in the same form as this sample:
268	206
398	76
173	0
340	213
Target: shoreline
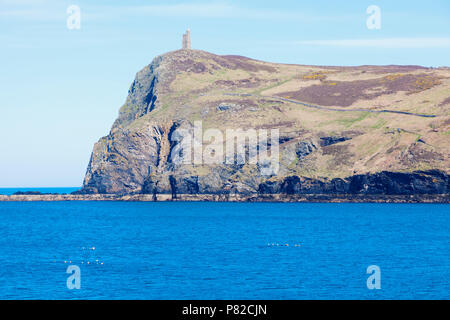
301	198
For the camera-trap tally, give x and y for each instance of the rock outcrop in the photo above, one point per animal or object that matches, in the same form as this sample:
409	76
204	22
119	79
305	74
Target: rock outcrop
340	150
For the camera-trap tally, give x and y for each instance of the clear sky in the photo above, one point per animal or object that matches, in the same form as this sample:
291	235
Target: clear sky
61	89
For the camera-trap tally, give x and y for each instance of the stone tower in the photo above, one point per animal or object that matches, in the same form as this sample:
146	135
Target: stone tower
187	39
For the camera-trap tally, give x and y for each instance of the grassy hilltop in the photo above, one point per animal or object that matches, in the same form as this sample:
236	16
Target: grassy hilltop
385	123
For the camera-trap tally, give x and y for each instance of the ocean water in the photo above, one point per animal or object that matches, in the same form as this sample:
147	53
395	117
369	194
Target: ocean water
202	250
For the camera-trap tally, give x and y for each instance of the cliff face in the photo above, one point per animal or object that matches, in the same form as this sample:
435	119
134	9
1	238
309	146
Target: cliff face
343	130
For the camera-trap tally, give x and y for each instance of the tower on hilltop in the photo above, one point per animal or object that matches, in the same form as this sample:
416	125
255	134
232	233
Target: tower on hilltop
187	39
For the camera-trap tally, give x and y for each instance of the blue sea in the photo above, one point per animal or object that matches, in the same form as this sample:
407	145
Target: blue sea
205	250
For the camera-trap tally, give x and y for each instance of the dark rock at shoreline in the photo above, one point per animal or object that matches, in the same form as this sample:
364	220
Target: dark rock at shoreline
381	183
330	198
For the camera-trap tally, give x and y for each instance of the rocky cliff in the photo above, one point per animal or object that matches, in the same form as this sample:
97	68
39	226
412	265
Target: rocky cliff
342	130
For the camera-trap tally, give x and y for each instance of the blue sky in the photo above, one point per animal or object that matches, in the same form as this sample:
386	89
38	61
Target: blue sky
61	89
